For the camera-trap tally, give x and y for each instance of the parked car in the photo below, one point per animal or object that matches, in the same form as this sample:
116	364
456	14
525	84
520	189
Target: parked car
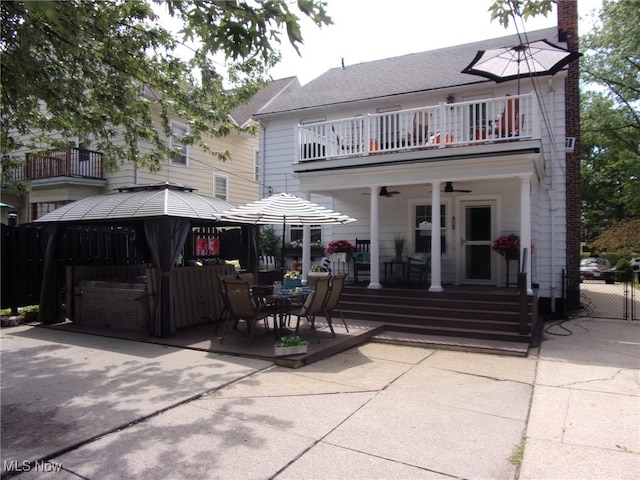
597	268
635	263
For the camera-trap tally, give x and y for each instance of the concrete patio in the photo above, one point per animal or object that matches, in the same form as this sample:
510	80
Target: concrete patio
102	408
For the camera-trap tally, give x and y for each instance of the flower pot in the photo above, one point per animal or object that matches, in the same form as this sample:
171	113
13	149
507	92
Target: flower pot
339	257
294	350
291	283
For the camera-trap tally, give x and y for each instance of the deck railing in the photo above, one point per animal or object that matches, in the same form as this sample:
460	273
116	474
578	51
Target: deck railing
437	126
71	162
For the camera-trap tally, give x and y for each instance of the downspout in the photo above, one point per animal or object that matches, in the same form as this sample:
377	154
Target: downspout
550	188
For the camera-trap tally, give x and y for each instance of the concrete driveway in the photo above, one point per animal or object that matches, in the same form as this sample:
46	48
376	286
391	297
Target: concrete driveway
101	408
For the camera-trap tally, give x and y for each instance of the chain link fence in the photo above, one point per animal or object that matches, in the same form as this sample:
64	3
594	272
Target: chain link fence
620	301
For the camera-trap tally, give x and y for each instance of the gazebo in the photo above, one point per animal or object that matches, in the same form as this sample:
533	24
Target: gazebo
164	214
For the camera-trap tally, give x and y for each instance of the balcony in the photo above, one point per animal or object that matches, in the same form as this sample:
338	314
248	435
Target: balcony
72	162
480	122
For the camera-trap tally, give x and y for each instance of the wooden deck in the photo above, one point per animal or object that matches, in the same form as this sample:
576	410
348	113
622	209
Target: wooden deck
407	316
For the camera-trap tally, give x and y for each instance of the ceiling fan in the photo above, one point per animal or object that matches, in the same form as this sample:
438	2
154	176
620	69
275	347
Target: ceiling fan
384	192
448	188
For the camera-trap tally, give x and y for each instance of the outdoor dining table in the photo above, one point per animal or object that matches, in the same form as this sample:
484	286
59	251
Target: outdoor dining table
281	302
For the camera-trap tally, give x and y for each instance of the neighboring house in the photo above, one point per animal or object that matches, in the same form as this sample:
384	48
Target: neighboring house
490	161
59	177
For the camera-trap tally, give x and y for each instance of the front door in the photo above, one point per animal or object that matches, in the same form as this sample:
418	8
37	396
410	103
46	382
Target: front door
476	241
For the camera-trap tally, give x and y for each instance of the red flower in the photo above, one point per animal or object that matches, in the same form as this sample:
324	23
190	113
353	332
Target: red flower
339	246
506	242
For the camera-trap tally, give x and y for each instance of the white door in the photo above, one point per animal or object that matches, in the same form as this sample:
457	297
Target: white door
478	225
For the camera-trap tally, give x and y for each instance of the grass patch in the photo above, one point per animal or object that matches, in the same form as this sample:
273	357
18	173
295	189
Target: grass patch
518	453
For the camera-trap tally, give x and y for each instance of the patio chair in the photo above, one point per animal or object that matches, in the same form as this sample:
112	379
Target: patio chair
333	301
509	121
417	270
313	305
242	305
420	134
361	259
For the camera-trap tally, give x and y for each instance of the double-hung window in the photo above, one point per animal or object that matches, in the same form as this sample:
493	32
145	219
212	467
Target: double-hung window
176	143
423	223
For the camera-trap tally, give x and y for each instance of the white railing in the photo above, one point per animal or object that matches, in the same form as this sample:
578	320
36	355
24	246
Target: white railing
439	126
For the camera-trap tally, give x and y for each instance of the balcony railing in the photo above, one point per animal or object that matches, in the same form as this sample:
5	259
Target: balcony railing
445	125
72	162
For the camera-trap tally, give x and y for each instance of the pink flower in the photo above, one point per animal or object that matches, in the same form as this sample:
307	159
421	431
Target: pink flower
506	242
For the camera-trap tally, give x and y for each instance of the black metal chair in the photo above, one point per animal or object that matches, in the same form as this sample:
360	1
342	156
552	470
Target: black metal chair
361	259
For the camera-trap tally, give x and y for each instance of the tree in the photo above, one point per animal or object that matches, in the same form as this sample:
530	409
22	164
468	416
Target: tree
610	164
96	69
623	238
610	119
612	61
506	10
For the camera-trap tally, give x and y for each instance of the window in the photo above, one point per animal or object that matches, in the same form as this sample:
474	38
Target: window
295	234
422	226
178	132
220	187
40	209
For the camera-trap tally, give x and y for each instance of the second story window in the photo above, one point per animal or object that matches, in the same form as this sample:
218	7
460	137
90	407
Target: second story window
220	187
178	133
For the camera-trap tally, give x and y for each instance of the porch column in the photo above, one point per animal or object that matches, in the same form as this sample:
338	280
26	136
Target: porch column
525	227
436	247
374	279
306	244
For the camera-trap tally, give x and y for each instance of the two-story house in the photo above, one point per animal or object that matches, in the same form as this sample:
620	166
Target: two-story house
392	141
62	176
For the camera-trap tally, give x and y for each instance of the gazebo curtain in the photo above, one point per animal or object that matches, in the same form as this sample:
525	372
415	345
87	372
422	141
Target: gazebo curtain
165	237
50	309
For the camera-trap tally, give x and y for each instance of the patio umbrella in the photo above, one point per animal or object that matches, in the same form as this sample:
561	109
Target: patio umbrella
531	60
283	208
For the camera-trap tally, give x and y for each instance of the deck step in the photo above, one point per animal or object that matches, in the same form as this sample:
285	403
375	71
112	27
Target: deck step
457	313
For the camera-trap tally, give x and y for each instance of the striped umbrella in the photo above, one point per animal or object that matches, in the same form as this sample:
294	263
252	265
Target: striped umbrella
284	208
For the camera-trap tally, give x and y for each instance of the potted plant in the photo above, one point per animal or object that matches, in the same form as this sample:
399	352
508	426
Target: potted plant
269	241
291	279
340	250
291	345
399	243
508	246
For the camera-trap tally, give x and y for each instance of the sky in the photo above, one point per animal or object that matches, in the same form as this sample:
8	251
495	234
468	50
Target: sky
366	30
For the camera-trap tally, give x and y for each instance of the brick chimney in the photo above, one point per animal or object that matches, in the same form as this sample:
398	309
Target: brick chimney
568	32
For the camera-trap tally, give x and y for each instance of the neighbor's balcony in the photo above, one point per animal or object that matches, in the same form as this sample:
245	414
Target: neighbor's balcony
72	162
438	126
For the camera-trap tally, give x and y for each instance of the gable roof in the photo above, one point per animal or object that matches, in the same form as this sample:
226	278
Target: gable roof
415	72
243	113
